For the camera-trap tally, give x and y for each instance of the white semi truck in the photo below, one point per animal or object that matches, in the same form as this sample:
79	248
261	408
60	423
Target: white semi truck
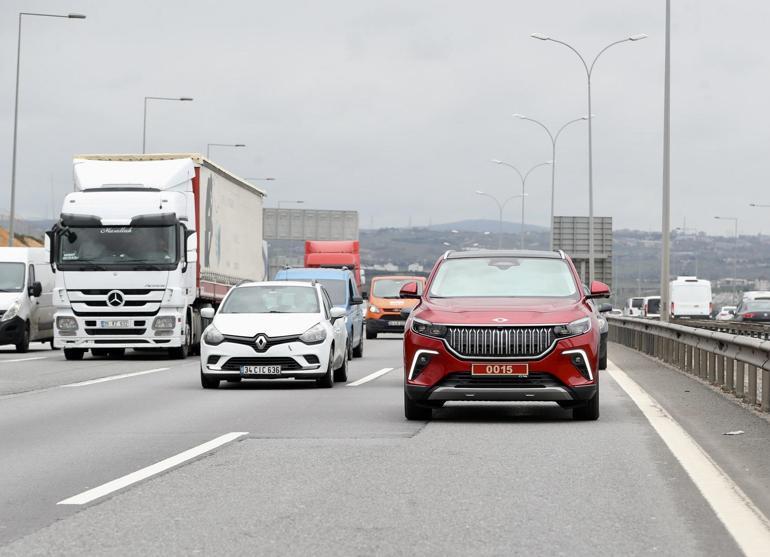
142	244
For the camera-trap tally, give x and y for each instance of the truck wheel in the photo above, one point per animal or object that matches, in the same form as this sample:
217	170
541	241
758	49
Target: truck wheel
23	345
73	353
358	351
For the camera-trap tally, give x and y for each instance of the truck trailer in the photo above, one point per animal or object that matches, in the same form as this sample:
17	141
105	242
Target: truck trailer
142	244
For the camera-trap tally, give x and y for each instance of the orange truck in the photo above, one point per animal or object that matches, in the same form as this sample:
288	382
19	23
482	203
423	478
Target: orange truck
383	310
335	255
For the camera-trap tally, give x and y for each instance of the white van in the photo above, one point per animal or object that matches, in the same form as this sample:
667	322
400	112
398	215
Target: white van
633	307
690	297
651	307
26	306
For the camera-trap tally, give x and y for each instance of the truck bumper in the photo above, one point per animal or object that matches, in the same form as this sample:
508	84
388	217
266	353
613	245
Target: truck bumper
91	332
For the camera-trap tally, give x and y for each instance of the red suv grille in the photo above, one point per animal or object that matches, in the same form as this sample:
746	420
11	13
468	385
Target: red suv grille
500	342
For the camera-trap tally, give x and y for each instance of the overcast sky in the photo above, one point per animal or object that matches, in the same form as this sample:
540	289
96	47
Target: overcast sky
394	108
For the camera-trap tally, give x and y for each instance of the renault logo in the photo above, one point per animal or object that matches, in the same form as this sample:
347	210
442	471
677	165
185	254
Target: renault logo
261	342
115	298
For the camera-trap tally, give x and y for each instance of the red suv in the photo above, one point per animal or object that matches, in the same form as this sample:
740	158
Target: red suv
503	326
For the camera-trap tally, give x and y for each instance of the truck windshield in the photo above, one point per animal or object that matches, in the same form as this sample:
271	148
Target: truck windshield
390	288
504	277
11	277
271	299
119	246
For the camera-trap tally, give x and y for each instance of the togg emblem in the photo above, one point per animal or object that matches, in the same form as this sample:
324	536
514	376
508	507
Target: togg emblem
261	342
115	299
500	320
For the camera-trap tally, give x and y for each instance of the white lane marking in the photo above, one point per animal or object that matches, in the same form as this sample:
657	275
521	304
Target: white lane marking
23	359
371	377
114	377
152	470
746	523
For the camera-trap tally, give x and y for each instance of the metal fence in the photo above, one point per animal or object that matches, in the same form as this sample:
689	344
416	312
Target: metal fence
743	328
739	364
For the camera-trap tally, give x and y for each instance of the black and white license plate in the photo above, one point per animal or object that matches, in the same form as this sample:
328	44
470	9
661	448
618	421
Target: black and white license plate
396	323
114	323
260	370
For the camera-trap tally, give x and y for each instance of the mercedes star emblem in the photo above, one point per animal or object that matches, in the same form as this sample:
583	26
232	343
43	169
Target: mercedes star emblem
115	298
261	342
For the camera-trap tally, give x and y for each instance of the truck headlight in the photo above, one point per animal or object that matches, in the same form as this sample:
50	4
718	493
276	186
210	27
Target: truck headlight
212	336
374	309
314	335
164	322
428	329
66	323
577	327
12	311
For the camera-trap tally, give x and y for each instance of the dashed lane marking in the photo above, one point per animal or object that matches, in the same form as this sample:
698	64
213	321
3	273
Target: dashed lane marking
371	377
115	377
746	523
152	470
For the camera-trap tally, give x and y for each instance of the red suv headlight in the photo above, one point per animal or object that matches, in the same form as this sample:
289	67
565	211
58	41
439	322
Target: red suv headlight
428	329
577	327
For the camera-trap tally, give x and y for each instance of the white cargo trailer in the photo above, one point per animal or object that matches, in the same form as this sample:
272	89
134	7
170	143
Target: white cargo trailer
143	243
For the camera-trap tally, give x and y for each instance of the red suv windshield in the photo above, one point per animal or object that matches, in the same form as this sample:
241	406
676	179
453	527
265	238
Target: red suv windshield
507	277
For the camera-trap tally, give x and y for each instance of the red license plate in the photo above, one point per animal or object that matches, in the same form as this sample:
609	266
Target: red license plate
500	369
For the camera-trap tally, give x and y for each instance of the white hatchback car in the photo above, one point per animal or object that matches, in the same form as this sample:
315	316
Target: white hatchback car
274	330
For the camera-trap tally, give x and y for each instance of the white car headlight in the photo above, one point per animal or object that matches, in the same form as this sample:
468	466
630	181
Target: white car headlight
314	335
577	327
12	311
212	336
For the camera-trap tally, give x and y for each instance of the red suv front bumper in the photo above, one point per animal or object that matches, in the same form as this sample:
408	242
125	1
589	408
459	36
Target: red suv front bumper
567	373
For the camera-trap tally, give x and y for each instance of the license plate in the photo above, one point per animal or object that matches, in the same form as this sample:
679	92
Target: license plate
115	324
396	323
260	370
519	370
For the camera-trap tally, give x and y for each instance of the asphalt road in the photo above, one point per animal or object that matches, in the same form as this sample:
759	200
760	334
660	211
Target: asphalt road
342	472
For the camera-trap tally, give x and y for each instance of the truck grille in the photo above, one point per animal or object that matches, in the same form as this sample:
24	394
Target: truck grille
500	342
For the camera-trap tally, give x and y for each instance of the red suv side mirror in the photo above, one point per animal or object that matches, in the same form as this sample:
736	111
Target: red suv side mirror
409	291
599	290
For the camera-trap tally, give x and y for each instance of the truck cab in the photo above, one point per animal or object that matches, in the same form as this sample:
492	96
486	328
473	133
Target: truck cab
341	286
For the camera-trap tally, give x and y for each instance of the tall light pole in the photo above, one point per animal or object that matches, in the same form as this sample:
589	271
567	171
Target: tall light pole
589	73
523	178
12	216
298	202
665	227
500	206
210	145
144	126
554	138
735	255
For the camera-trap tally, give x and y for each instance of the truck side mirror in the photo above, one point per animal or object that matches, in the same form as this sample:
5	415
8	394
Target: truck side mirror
50	244
35	289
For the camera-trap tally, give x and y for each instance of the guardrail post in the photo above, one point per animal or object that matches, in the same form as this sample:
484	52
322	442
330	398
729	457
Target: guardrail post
729	375
701	372
740	379
712	368
751	398
765	390
720	377
682	356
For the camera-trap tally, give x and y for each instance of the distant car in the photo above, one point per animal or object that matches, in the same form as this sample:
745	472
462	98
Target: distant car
633	307
383	310
342	289
727	313
756	295
755	311
274	330
651	307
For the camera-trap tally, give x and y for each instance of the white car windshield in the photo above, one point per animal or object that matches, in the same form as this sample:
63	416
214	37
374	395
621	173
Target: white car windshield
272	299
504	277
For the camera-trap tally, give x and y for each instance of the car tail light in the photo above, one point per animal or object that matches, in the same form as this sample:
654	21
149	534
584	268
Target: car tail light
749	315
672	308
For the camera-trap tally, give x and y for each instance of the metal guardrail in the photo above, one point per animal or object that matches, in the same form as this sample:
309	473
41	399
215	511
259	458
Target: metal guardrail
755	330
739	364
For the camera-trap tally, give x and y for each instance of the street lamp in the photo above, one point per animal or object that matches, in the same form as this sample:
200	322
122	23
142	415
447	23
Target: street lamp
523	185
735	254
500	206
16	115
554	138
210	145
589	72
298	202
144	126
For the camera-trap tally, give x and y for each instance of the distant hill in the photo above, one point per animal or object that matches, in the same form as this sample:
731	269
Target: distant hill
485	225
